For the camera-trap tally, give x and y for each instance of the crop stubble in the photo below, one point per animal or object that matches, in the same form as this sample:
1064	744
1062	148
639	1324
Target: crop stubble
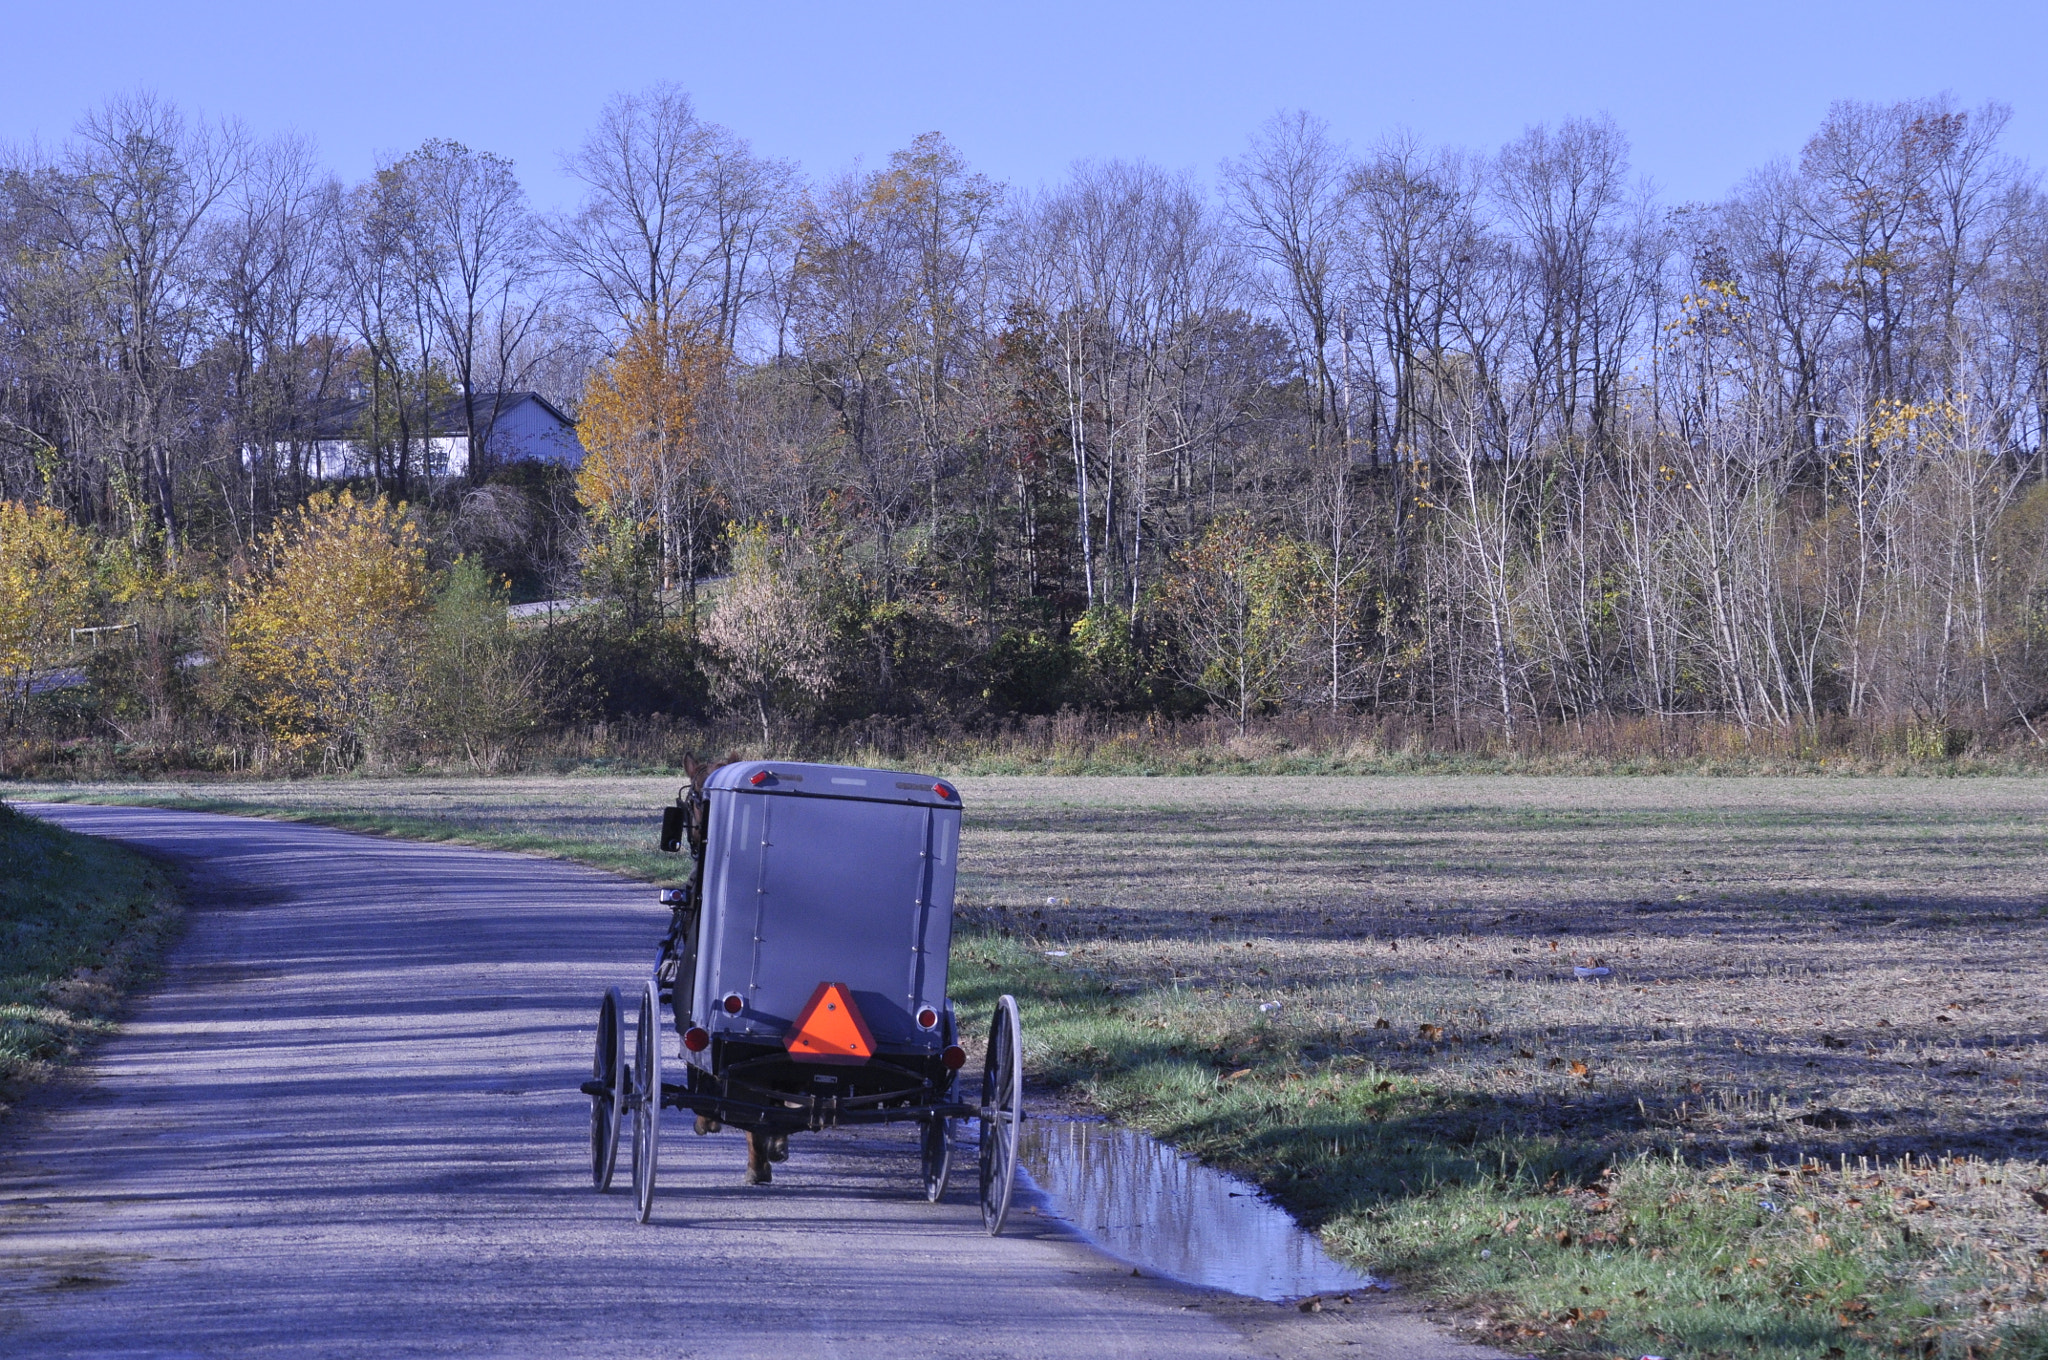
1846	965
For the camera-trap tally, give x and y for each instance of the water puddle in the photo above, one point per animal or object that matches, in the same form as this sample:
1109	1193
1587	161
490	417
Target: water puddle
1142	1202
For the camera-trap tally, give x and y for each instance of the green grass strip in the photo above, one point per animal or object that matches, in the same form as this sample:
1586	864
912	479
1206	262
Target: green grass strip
82	923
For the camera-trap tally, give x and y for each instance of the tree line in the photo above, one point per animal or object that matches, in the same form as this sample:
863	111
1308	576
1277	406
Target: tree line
1490	438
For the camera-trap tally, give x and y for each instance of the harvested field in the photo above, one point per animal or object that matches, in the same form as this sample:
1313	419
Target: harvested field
1826	966
1821	993
1818	965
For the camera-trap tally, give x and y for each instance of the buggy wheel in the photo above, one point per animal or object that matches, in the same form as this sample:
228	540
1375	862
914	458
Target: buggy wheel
1002	1111
607	1112
936	1147
646	1101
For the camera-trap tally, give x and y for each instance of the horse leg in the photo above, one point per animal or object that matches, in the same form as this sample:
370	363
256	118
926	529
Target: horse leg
778	1148
706	1124
758	1170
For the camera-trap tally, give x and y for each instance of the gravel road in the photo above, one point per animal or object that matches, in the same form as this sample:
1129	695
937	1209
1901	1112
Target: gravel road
345	1123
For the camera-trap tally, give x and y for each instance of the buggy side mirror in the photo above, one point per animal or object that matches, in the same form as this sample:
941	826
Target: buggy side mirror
672	829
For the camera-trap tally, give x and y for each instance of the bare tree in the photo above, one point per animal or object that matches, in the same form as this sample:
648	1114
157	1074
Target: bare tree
476	248
141	185
678	213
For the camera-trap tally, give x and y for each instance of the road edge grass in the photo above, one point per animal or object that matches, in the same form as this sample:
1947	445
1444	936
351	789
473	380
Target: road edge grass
648	865
1594	1248
85	923
1601	1246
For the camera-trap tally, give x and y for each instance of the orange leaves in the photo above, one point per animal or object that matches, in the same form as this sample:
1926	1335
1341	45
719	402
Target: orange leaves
644	459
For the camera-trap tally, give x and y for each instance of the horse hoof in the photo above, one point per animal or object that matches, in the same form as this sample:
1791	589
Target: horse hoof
778	1148
706	1124
762	1177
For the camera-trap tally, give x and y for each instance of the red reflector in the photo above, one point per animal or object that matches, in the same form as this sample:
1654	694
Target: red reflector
943	791
927	1018
696	1039
955	1058
760	777
733	1003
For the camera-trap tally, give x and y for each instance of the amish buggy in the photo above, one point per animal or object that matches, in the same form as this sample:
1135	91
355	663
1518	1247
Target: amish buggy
804	971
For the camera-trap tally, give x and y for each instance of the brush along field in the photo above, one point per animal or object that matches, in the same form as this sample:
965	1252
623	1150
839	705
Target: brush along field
1800	1114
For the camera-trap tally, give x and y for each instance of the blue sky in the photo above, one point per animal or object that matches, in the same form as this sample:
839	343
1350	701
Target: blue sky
1704	92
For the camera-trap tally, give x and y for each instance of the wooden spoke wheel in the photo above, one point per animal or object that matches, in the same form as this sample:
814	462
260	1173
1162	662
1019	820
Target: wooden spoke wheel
607	1112
646	1101
1002	1112
936	1147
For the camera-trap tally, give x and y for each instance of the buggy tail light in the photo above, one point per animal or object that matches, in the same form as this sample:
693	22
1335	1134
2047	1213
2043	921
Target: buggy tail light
927	1018
955	1058
734	1003
760	777
945	791
696	1038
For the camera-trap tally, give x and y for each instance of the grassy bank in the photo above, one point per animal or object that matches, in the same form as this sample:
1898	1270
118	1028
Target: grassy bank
1575	1220
83	922
1800	1115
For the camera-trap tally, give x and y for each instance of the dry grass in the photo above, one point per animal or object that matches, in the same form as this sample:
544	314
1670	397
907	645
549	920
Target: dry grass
1824	965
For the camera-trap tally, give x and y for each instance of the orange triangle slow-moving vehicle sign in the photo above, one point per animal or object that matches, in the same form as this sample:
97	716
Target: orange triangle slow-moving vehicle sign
830	1028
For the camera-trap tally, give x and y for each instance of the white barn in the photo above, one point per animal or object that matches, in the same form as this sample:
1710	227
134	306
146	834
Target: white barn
526	427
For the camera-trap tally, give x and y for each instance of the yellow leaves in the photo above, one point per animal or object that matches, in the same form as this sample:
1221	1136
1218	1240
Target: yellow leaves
46	583
325	631
1244	603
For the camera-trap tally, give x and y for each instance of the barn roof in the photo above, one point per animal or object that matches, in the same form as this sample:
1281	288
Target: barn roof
346	419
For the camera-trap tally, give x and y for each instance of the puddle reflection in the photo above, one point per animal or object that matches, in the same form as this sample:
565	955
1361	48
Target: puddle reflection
1139	1200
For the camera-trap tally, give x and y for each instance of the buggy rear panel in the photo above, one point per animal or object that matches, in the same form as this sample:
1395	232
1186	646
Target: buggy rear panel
825	873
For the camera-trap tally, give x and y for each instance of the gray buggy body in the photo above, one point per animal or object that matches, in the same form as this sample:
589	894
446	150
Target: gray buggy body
824	874
805	971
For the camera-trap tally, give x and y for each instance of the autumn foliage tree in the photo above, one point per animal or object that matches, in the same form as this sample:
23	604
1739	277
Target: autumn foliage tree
327	633
646	460
1241	605
46	588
